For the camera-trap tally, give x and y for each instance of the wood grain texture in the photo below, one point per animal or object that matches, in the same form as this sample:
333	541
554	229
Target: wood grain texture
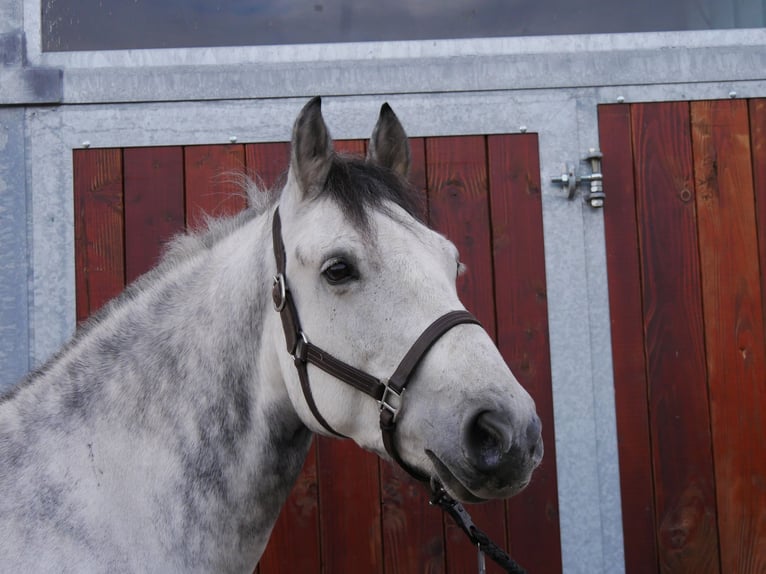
213	182
734	335
522	333
98	228
626	312
267	163
675	347
458	205
413	537
154	204
757	110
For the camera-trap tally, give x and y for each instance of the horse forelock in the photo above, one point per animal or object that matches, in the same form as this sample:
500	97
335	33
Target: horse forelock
358	186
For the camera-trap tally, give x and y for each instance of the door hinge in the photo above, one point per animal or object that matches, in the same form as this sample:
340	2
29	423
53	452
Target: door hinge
570	179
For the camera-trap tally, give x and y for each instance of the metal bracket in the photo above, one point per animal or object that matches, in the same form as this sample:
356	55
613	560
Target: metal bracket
570	180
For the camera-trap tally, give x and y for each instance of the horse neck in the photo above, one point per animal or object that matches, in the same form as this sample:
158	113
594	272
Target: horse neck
183	362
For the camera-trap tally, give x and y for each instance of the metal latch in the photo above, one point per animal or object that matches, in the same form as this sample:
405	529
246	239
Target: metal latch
570	179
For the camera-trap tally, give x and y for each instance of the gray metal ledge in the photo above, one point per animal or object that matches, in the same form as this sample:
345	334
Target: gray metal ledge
469	73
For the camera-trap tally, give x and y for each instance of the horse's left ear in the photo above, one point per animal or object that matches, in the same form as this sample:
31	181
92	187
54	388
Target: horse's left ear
389	145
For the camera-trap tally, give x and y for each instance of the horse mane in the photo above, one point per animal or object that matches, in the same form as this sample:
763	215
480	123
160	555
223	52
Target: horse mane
354	184
358	186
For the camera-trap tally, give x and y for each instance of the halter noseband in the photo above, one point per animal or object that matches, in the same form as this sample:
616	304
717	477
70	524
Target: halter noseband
387	391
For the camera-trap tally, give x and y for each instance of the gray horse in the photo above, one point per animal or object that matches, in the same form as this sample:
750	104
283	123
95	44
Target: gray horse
167	433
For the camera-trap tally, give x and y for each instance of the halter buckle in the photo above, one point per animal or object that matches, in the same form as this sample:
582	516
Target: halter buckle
385	401
279	292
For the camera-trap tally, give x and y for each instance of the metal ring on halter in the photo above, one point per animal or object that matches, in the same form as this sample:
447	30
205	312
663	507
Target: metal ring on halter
301	348
388	392
279	296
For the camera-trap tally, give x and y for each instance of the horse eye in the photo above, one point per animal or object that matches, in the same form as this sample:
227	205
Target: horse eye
339	272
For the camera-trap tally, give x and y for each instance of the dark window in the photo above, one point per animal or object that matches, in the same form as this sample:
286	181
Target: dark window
122	24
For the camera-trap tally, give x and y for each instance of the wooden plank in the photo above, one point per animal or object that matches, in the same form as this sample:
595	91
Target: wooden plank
412	530
213	182
522	333
349	490
758	148
267	164
154	204
98	228
458	206
675	347
299	519
626	312
734	336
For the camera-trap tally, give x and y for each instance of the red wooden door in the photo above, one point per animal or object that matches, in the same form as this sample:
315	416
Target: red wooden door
349	511
686	246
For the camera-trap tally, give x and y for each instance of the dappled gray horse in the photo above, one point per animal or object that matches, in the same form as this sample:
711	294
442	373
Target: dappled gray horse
167	434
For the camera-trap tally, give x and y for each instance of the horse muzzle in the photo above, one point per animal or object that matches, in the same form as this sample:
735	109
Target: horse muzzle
495	457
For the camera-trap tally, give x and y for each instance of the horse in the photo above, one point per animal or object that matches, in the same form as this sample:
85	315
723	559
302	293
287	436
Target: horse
166	435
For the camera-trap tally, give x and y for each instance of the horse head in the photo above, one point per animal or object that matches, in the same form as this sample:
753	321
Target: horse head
366	278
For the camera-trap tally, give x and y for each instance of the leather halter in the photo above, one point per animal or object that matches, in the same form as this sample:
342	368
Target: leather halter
387	391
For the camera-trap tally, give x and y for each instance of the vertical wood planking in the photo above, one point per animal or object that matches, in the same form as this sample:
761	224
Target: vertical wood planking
459	207
733	314
98	228
349	490
299	519
626	312
154	204
267	163
758	148
675	348
213	182
522	333
412	530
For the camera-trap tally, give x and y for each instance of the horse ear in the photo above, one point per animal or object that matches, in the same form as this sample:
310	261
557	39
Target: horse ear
389	145
311	154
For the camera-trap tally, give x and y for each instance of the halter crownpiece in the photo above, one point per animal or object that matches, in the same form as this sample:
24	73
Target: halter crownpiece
388	392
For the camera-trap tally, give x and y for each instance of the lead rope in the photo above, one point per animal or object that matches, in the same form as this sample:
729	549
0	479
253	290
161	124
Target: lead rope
461	517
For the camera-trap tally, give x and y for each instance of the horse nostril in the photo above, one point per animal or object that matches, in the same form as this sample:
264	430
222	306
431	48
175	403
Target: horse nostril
487	438
534	436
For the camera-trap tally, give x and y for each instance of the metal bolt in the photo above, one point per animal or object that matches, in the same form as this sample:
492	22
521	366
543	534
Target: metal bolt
86	144
523	129
732	94
620	99
597	203
232	139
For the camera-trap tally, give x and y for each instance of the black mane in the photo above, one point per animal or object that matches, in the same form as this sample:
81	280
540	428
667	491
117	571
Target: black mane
357	185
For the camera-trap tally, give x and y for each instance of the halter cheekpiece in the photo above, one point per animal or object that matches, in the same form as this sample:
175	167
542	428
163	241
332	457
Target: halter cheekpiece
388	392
